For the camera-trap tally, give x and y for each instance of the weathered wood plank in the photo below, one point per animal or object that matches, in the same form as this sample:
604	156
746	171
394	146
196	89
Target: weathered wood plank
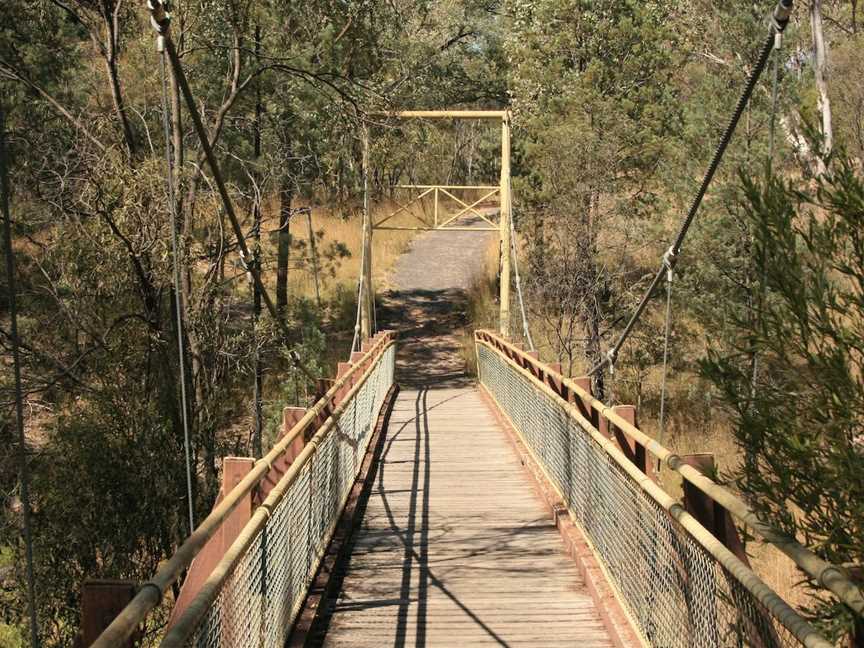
455	548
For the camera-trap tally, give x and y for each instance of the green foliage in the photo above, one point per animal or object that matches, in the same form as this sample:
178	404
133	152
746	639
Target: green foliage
109	502
292	388
799	424
596	110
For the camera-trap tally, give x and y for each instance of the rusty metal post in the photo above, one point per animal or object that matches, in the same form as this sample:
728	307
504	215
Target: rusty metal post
554	379
584	404
234	470
634	450
101	602
504	225
709	513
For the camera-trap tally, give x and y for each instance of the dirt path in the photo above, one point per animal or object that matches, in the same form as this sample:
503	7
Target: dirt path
426	304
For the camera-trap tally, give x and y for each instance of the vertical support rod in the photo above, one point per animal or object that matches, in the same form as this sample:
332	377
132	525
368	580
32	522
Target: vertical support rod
436	208
178	285
366	294
504	320
258	370
314	250
19	398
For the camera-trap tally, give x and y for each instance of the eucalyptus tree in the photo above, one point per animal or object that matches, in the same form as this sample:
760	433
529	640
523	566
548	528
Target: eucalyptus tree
595	106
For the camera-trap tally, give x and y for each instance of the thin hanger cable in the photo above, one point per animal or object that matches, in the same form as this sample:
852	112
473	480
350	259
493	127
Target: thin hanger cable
19	395
178	305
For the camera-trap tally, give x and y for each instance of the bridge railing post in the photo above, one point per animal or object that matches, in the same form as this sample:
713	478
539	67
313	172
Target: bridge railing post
709	513
234	469
553	379
632	449
753	623
584	404
101	602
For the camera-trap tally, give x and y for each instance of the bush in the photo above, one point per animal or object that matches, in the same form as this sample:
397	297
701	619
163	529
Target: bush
798	418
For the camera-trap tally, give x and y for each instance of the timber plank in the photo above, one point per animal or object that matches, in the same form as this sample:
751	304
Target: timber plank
455	548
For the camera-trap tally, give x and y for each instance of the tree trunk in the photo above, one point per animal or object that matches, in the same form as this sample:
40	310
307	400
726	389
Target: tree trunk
286	194
110	56
596	291
820	56
593	350
257	447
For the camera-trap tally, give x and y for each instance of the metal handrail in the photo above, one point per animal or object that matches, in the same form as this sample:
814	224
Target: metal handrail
150	593
782	611
443	186
828	575
185	625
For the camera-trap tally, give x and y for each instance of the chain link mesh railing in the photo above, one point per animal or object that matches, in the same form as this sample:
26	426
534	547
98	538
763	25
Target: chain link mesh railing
265	586
675	591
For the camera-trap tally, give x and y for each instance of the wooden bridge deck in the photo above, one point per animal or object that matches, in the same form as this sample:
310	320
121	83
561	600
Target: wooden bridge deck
455	548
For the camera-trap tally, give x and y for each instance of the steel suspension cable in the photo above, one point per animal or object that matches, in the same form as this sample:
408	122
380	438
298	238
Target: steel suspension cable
178	286
763	280
780	19
359	299
361	284
667	328
19	395
525	329
160	20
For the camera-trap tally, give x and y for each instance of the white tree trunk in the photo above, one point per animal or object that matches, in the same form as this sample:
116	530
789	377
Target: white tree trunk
820	56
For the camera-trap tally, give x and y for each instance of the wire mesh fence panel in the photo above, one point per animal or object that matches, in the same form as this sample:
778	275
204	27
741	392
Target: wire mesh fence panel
675	592
259	599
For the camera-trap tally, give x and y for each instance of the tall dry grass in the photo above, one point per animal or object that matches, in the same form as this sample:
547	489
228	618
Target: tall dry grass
335	229
482	305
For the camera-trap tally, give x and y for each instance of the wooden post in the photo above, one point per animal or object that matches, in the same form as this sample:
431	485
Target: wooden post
504	322
366	292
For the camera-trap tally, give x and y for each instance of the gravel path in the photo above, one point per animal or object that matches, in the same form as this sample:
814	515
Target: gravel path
426	303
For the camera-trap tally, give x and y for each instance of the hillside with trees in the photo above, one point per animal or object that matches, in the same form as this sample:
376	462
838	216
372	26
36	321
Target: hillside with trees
616	109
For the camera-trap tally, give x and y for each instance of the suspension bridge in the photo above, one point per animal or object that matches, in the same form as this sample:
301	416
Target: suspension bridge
412	505
515	511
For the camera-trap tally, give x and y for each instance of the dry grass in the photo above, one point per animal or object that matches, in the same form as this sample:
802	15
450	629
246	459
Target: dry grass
346	229
482	306
344	272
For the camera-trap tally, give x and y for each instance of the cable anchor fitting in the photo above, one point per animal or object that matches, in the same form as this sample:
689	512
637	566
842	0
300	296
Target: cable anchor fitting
160	19
611	357
246	267
669	261
780	17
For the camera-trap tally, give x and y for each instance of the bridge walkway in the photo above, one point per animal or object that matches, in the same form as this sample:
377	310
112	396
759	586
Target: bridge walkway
456	548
